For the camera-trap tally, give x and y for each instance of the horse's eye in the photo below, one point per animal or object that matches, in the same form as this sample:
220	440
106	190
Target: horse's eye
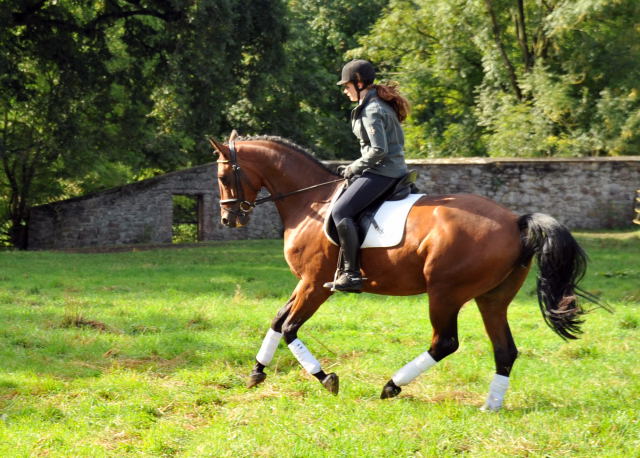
224	180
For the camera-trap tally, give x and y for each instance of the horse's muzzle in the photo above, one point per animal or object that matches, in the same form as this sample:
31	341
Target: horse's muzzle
234	220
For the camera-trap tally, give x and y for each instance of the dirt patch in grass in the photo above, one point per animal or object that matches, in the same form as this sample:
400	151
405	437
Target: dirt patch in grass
265	392
78	321
113	439
461	397
145	362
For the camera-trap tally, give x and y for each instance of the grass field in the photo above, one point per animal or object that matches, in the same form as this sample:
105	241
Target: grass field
146	353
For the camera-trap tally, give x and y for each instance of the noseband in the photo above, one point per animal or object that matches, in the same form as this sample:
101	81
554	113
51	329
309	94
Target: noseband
245	206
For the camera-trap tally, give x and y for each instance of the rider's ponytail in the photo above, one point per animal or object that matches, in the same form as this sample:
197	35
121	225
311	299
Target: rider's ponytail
390	94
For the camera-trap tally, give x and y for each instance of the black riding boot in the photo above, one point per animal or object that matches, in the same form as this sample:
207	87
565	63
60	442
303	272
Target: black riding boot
349	278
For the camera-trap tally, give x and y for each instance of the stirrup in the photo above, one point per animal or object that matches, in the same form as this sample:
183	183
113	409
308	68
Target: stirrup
352	283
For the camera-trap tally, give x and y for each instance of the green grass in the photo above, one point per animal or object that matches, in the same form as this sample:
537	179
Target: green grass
146	353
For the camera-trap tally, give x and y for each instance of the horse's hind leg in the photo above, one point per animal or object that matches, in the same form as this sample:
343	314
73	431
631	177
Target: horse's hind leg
444	320
493	307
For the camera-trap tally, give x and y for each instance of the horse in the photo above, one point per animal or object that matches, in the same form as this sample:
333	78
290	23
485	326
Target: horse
455	248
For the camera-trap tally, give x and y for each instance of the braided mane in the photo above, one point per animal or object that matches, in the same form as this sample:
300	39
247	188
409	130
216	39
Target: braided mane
289	144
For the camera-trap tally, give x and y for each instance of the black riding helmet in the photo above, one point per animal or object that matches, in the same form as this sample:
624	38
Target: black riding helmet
358	70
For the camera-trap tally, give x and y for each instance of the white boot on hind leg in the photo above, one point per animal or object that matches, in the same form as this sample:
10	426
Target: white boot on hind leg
497	390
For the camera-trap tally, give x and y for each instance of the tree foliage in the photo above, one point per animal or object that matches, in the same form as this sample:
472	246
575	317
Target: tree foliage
300	99
98	93
514	78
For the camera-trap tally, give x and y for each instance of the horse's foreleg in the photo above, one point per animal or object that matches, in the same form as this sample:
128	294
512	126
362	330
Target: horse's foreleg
444	319
308	300
302	304
269	345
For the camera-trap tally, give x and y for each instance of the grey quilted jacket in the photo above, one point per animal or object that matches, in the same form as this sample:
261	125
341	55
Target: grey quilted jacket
381	138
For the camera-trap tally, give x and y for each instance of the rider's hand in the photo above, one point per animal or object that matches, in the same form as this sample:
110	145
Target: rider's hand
345	171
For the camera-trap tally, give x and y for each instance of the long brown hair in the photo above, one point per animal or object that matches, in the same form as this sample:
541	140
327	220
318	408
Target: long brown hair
390	94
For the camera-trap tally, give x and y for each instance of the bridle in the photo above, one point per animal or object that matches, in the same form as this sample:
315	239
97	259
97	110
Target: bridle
244	205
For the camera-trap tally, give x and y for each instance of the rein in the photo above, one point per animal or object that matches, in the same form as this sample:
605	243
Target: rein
244	205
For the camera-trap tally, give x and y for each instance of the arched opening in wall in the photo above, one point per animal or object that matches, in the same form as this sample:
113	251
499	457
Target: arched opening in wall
186	226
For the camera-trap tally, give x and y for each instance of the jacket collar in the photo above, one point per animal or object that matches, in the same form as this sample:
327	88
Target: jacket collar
371	93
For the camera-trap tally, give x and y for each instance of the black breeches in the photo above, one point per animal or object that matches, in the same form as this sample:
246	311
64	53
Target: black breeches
360	194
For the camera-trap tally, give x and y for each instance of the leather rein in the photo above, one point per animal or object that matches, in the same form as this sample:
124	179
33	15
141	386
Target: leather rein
244	205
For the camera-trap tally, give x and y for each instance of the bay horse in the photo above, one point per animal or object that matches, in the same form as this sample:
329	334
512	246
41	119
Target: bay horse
455	248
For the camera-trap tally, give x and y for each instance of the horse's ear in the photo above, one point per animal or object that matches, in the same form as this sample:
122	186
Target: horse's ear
217	147
232	137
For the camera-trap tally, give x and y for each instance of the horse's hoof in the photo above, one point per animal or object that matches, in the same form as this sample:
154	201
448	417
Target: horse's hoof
331	383
390	390
256	378
490	408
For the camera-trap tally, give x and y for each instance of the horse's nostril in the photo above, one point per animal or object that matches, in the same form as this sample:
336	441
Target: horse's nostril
225	221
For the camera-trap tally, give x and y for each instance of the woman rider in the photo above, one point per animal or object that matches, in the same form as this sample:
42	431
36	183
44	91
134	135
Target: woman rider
375	121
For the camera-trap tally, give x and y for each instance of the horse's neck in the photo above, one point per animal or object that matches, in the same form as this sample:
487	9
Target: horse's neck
286	171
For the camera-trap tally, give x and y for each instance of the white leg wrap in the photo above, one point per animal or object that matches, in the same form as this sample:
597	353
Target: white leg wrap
413	369
304	357
497	390
269	346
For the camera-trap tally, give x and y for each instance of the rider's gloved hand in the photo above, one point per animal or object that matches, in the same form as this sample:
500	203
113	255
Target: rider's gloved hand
345	171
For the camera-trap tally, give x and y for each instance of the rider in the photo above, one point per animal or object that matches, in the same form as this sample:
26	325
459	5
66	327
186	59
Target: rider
375	121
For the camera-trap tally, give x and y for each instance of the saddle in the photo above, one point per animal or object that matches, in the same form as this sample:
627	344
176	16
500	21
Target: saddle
401	190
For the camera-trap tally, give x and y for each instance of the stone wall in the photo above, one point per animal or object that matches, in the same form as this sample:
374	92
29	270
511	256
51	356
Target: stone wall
593	193
141	213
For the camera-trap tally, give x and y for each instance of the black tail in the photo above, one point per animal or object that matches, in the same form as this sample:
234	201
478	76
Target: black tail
562	264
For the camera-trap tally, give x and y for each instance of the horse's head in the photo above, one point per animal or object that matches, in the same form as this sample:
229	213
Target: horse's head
237	186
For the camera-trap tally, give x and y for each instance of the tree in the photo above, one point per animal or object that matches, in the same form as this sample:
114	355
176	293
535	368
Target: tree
95	94
300	100
499	77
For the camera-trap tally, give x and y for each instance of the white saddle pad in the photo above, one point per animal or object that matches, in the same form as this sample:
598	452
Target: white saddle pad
388	229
